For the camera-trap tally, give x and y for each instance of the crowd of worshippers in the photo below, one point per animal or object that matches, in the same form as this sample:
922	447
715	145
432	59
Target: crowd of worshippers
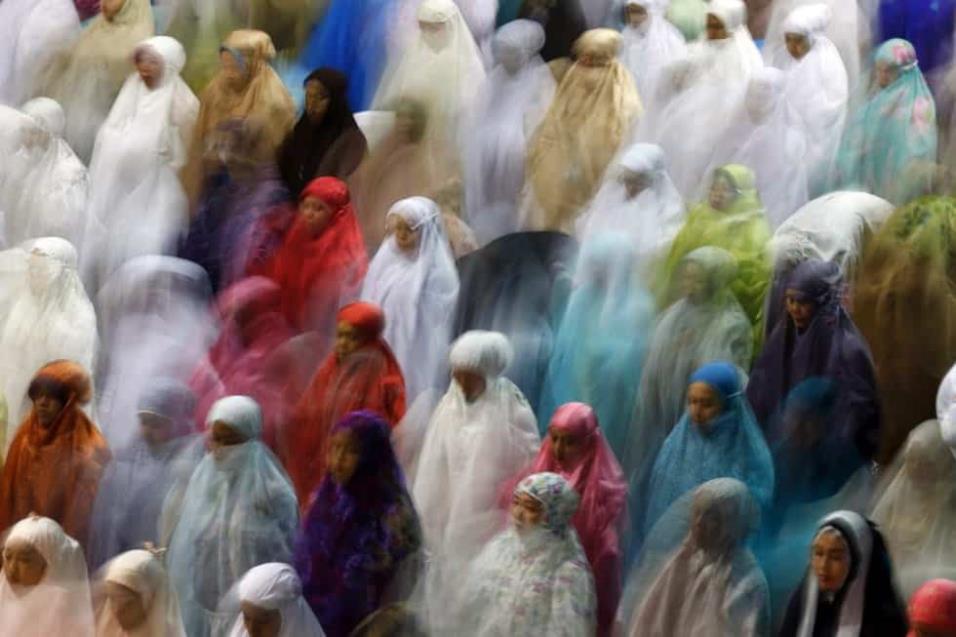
494	318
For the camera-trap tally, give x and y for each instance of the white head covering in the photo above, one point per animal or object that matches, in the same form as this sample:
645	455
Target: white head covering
60	603
276	586
417	292
142	572
137	205
946	409
652	218
507	109
650	47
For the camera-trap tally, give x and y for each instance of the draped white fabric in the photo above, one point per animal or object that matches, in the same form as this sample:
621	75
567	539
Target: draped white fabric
142	572
276	586
649	48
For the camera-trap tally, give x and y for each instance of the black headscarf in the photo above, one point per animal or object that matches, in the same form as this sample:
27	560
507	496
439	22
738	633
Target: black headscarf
563	23
306	151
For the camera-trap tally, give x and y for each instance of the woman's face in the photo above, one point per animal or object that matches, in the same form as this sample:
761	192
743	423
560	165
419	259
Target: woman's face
47	408
149	66
316	213
635	15
886	74
22	564
801	312
694	282
705	527
592	61
223	435
511	58
722	193
634	183
797	45
127	606
348	339
260	622
703	404
567	449
110	8
526	511
716	29
232	70
830	560
406	238
317	100
472	384
435	35
155	429
342	458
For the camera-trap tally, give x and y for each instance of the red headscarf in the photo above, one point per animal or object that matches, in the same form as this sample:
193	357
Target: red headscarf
599	480
368	378
55	470
324	271
933	606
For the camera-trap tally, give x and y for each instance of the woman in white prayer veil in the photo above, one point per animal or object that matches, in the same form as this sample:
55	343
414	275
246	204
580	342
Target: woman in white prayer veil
86	77
816	86
651	43
239	510
414	280
594	108
31	33
848	29
482	433
637	199
699	95
508	108
769	138
44	589
133	598
137	204
697	576
48	198
441	68
51	318
268	601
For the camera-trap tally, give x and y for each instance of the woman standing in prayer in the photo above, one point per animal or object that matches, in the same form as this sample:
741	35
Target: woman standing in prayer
238	510
717	437
482	433
599	349
651	42
134	597
86	76
508	108
575	449
137	204
932	609
326	141
361	373
360	541
55	461
889	145
533	578
711	585
414	280
733	219
268	601
44	589
594	108
849	587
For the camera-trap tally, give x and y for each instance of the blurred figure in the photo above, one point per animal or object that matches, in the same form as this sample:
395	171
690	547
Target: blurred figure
717	437
32	32
595	105
929	26
137	205
86	76
238	511
46	195
481	433
710	583
49	318
849	585
651	42
361	373
508	108
904	305
133	597
414	280
326	141
360	541
563	24
44	589
55	461
932	609
158	461
600	345
270	602
533	578
816	85
889	145
575	448
732	218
